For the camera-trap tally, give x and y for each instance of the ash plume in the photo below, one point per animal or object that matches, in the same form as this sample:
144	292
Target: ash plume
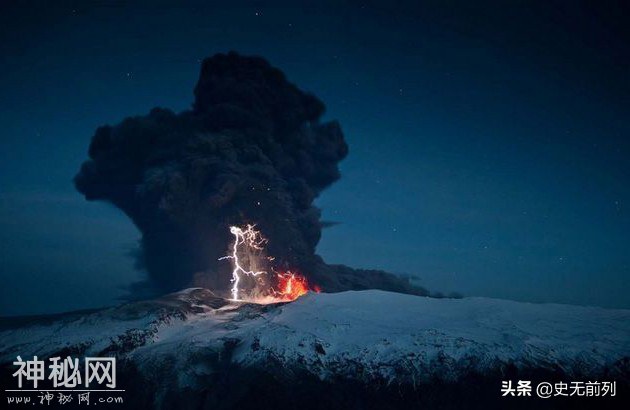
251	150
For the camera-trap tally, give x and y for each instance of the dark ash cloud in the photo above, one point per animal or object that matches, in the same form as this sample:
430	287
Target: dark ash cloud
251	150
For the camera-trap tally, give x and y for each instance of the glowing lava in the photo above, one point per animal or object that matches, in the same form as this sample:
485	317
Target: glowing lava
291	286
248	258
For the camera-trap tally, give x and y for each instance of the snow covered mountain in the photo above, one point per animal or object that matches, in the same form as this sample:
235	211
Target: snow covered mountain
367	349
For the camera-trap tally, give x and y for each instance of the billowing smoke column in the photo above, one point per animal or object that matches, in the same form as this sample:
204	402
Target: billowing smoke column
251	150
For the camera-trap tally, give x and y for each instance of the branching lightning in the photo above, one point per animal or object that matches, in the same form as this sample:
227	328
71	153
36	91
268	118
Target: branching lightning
250	239
248	258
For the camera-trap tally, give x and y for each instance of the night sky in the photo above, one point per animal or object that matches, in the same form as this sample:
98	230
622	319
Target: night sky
488	142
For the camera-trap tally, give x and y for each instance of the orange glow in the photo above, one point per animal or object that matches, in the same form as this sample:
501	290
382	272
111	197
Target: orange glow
291	286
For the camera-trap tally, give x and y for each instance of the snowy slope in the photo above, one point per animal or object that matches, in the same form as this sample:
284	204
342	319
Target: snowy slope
187	340
394	336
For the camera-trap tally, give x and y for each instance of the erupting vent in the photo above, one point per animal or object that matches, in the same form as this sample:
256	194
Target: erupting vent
251	281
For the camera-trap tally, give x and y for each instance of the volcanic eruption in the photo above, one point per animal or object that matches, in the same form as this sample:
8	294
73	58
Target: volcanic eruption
251	151
251	264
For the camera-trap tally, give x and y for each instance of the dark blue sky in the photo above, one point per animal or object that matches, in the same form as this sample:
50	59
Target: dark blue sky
488	143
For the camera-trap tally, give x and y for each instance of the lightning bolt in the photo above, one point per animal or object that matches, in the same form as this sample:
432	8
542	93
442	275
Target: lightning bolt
247	238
